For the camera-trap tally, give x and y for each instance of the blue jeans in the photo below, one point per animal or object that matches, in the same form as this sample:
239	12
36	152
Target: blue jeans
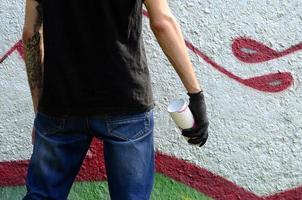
61	144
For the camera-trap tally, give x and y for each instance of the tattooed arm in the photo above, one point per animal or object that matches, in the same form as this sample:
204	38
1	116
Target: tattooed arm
33	46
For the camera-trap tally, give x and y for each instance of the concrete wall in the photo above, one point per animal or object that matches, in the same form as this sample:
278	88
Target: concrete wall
247	56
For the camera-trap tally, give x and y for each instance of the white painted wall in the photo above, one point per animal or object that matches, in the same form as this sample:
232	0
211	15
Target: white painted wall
255	137
16	113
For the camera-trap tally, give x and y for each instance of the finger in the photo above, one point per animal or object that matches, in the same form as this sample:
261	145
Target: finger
190	133
194	132
205	139
200	141
196	140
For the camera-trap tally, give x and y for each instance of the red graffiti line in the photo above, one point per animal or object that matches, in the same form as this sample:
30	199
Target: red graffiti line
93	169
244	49
17	47
273	82
251	51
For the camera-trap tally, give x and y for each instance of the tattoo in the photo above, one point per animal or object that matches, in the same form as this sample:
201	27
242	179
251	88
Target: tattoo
33	62
33	54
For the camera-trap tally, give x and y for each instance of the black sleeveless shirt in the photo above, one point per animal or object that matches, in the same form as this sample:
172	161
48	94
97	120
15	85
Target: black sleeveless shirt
94	58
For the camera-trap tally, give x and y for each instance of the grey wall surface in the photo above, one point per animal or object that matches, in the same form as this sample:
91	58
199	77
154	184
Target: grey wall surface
255	133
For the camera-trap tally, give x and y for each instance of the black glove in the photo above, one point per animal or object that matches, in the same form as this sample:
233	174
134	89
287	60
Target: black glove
198	134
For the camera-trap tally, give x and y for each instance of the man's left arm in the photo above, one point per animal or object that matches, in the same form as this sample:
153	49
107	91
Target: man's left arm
32	40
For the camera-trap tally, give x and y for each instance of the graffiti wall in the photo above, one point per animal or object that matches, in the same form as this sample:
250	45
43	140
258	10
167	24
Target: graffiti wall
248	58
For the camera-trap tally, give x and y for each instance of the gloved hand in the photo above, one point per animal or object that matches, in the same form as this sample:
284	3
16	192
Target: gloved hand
198	134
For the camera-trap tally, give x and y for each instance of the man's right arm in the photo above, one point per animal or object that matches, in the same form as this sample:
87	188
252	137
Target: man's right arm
169	36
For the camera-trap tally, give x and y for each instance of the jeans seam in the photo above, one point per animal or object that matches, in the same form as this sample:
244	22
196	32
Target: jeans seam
54	131
110	133
125	117
50	131
146	124
137	135
130	120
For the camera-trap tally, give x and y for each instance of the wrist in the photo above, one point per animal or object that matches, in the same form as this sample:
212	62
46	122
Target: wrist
193	91
196	97
197	93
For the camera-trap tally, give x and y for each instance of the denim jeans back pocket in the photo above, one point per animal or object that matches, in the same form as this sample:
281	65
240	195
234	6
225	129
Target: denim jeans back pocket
48	124
130	127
